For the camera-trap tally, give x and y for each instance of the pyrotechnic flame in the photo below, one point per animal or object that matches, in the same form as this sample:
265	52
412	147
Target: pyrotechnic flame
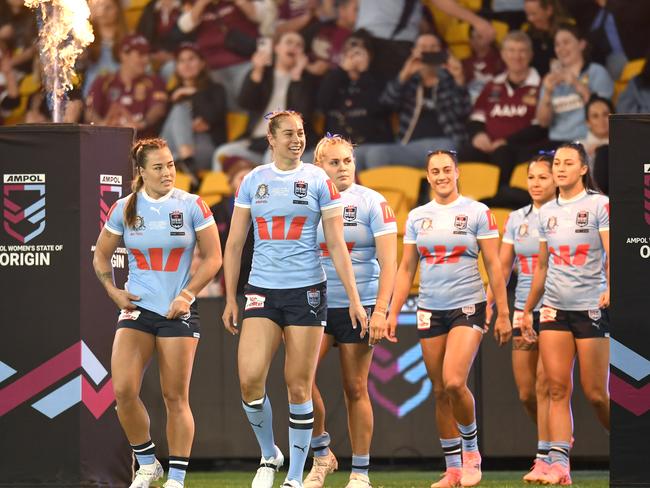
64	31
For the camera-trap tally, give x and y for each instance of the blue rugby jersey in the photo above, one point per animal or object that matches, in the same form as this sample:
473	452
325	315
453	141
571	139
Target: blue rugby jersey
576	272
366	215
446	237
161	244
286	208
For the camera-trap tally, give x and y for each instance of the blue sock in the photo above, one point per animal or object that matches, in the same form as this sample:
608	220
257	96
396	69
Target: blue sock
469	433
542	450
321	445
361	464
260	416
559	453
301	425
145	453
452	450
178	468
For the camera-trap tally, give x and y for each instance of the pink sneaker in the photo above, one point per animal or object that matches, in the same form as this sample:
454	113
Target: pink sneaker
556	474
535	474
471	469
450	479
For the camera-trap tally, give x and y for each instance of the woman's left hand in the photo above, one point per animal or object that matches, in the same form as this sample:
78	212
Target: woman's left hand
603	301
502	329
378	327
359	318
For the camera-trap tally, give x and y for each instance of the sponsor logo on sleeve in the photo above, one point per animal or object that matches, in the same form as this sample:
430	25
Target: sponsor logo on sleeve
388	213
334	193
492	220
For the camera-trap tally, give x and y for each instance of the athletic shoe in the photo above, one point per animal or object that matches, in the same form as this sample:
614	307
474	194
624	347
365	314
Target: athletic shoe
450	479
539	468
266	472
323	465
358	480
471	471
173	484
292	484
556	474
147	474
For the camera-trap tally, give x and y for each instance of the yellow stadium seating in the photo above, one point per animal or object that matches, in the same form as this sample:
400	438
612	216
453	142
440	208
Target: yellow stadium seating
236	123
214	187
519	177
183	181
478	180
403	179
632	69
132	13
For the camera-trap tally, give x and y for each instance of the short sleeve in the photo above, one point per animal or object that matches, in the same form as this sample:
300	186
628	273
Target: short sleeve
382	217
541	228
602	214
410	234
243	194
479	114
600	82
487	227
115	218
509	230
201	215
328	195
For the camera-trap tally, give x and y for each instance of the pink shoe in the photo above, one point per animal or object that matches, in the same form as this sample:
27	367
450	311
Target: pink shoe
540	466
556	474
450	479
471	469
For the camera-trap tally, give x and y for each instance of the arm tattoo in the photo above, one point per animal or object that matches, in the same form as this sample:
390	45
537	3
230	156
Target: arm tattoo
103	276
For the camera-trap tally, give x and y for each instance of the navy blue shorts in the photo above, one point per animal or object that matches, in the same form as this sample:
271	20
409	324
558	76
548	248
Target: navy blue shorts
583	324
517	317
159	326
434	323
292	306
339	325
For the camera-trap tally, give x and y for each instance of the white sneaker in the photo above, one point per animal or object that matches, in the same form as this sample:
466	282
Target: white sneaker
323	465
292	484
173	484
358	480
266	472
147	474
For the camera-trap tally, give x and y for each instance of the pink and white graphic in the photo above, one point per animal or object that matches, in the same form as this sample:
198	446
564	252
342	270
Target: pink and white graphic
631	398
77	390
110	190
24	221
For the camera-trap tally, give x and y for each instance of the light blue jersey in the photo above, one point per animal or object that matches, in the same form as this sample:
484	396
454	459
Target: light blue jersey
286	208
446	237
160	245
366	215
522	232
576	271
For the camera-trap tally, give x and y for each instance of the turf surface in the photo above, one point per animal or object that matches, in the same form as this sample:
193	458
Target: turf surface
387	479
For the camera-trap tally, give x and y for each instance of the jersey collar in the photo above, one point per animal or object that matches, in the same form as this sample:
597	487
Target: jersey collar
448	205
164	198
287	172
574	199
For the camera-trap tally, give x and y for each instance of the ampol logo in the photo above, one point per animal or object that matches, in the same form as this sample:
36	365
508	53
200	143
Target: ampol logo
646	192
24	205
110	190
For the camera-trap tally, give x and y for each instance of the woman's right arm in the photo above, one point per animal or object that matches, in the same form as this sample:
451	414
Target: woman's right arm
239	226
507	258
403	281
106	244
536	291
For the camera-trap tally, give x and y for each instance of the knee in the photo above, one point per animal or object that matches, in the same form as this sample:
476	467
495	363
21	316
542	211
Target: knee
299	392
541	389
527	396
559	392
355	389
125	393
597	397
455	387
175	401
251	389
440	394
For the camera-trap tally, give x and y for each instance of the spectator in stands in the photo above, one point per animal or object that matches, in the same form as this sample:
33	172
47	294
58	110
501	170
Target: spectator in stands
596	144
348	96
568	86
18	32
226	33
159	24
635	99
130	97
274	83
288	15
432	104
9	93
109	27
502	126
483	64
196	123
510	12
543	16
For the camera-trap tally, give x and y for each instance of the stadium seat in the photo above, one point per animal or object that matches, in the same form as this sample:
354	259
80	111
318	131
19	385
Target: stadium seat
519	177
133	12
214	187
501	29
236	123
631	69
403	179
478	180
183	181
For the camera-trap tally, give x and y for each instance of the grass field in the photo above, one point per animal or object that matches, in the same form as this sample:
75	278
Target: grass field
386	479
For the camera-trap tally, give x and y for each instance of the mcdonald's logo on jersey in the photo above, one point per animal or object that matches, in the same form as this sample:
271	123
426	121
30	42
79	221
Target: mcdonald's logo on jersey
492	221
334	193
24	205
388	213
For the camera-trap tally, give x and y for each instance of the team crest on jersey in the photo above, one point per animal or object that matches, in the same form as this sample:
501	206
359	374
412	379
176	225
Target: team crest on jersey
460	222
426	224
262	191
313	297
300	188
424	320
551	224
176	219
469	309
350	213
139	223
582	218
523	230
595	314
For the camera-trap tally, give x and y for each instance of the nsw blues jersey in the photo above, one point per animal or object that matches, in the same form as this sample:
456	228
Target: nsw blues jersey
160	245
446	240
522	232
286	209
366	215
576	271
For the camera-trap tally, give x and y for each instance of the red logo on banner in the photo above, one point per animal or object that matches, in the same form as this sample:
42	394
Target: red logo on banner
108	196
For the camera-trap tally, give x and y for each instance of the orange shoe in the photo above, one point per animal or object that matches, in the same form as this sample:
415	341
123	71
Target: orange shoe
471	469
450	479
556	474
535	474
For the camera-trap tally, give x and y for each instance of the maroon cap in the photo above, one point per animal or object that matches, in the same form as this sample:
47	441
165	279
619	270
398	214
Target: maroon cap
188	46
135	41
